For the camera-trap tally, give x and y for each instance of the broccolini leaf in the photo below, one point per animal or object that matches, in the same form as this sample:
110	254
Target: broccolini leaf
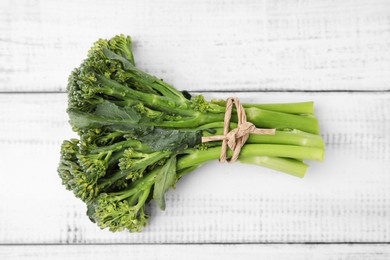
127	65
165	179
172	140
110	110
112	55
106	115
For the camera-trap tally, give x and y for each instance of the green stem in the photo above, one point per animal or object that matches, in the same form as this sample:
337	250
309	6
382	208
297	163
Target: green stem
250	150
290	166
169	91
214	125
124	194
153	83
83	120
269	119
288	137
137	145
291	108
286	165
293	137
142	199
152	158
113	88
107	182
140	185
113	161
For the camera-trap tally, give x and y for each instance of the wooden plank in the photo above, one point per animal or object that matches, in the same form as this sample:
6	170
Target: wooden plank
210	45
204	252
344	199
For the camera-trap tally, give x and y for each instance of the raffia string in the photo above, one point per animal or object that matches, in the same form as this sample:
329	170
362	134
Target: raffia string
236	138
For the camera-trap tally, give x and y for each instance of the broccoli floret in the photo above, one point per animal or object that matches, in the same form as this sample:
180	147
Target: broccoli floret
95	169
68	161
94	165
122	210
122	45
72	174
199	103
94	138
133	164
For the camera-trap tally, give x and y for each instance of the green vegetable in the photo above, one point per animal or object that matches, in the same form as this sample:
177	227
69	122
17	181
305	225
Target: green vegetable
165	179
139	136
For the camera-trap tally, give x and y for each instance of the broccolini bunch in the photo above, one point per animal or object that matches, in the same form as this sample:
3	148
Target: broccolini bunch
138	135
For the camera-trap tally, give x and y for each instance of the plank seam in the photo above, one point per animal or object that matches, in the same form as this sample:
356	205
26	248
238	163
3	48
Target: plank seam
186	244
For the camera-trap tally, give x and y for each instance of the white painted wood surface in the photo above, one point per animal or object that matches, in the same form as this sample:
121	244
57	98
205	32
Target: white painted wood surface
344	199
204	45
269	45
200	252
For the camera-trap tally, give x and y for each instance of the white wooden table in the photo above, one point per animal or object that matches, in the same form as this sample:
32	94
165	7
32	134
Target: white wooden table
336	53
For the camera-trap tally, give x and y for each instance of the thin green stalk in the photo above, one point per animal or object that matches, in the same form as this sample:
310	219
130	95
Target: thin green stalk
116	89
83	120
287	165
269	119
169	91
108	181
290	166
292	137
152	82
113	161
291	108
120	145
142	199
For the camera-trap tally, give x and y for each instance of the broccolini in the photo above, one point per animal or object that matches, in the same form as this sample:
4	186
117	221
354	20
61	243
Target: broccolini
138	136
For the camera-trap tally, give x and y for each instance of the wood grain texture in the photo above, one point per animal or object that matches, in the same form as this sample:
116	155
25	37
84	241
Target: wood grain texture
199	252
207	45
344	199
